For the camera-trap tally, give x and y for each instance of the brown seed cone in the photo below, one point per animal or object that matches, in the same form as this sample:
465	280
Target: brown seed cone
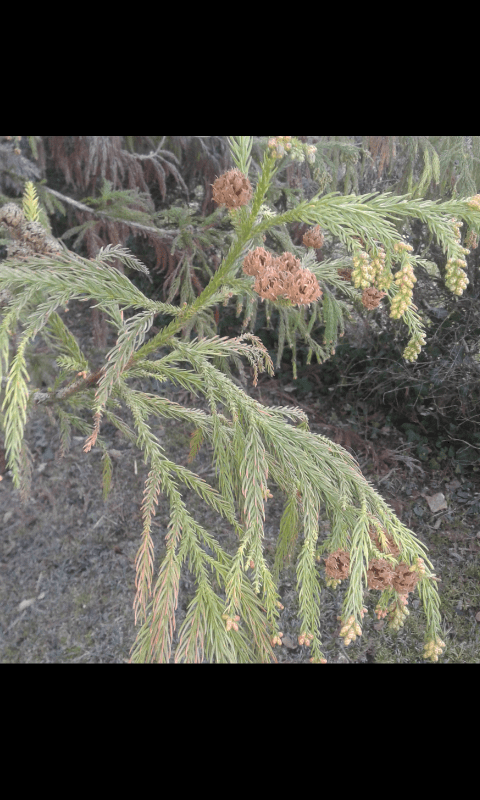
13	218
314	238
371	298
281	277
403	580
257	261
287	263
35	235
18	250
36	240
270	284
232	189
346	274
302	287
379	574
391	548
337	565
51	246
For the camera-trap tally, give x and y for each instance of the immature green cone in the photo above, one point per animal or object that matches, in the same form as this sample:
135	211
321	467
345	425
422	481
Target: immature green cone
405	280
455	278
280	145
378	265
351	629
414	347
398	612
474	201
363	273
433	649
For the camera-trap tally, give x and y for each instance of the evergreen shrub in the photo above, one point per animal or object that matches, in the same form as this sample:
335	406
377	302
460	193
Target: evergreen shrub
234	614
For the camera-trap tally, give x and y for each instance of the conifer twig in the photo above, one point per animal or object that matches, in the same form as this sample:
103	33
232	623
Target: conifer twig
162	232
234	614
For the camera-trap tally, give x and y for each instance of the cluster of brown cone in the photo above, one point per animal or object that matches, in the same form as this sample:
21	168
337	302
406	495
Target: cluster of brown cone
281	277
380	573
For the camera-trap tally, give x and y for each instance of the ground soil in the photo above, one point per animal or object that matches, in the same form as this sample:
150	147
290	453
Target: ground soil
67	575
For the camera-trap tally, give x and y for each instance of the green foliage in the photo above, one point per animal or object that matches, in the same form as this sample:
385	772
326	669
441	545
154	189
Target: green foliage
433	166
33	209
30	203
241	149
234	614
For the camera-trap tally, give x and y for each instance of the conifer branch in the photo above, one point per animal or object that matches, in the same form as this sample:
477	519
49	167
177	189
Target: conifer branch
234	613
162	232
